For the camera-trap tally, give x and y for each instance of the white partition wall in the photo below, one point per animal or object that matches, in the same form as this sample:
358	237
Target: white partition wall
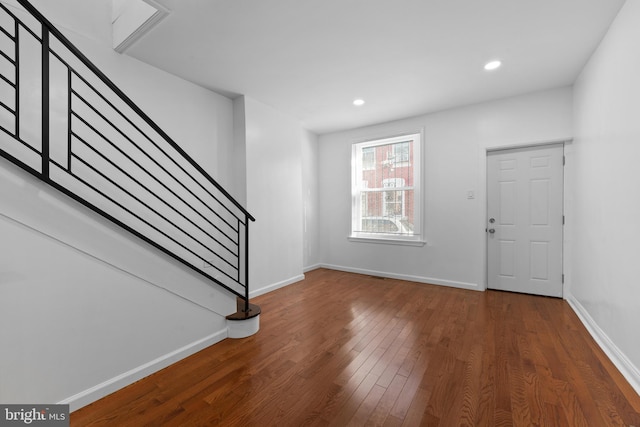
606	204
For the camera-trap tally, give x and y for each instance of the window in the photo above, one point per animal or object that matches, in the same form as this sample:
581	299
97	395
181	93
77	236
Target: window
386	190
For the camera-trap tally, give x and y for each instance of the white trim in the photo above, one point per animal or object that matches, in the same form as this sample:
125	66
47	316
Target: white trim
273	287
243	328
122	43
419	279
617	357
390	135
532	144
386	240
311	267
116	383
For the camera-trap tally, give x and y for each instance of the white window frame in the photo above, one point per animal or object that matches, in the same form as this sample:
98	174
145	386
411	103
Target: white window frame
357	187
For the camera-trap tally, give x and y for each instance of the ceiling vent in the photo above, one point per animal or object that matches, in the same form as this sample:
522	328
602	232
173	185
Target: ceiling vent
131	19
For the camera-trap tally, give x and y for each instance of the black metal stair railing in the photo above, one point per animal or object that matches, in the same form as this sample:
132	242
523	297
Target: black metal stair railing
65	122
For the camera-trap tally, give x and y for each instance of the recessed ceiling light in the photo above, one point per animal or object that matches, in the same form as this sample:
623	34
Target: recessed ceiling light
492	65
358	102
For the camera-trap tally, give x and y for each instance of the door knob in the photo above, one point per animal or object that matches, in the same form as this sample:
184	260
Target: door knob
492	230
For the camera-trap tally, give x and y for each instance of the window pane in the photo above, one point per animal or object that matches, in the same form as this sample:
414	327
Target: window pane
373	203
379	225
368	158
388	211
393	203
401	152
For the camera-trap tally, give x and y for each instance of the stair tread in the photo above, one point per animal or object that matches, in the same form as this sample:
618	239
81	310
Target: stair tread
240	314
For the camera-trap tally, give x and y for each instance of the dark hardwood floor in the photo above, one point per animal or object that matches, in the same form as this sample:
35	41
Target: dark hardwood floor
345	349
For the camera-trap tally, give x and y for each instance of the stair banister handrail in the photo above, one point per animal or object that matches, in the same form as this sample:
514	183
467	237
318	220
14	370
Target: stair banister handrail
44	21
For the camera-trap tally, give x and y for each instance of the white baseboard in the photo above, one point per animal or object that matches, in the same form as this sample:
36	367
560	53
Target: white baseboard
273	287
619	359
311	267
419	279
101	390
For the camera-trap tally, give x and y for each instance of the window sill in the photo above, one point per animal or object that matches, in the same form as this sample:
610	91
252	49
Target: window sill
386	240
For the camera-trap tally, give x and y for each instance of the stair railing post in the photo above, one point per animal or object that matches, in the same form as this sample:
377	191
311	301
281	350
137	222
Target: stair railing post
246	263
45	103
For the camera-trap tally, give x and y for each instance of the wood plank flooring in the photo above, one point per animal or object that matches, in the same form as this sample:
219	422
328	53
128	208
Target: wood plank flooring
341	349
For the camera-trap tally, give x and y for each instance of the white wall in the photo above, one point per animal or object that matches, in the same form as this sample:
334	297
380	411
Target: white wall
89	20
239	161
84	308
274	196
197	119
311	256
606	205
74	316
455	143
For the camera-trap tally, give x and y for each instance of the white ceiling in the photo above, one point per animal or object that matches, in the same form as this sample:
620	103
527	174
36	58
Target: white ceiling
312	58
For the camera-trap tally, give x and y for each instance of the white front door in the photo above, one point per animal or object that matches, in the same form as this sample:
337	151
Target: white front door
525	217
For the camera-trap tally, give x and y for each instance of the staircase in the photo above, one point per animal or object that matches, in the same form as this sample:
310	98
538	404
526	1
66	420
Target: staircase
96	146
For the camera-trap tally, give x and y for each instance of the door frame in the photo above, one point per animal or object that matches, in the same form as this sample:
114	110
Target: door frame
567	203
